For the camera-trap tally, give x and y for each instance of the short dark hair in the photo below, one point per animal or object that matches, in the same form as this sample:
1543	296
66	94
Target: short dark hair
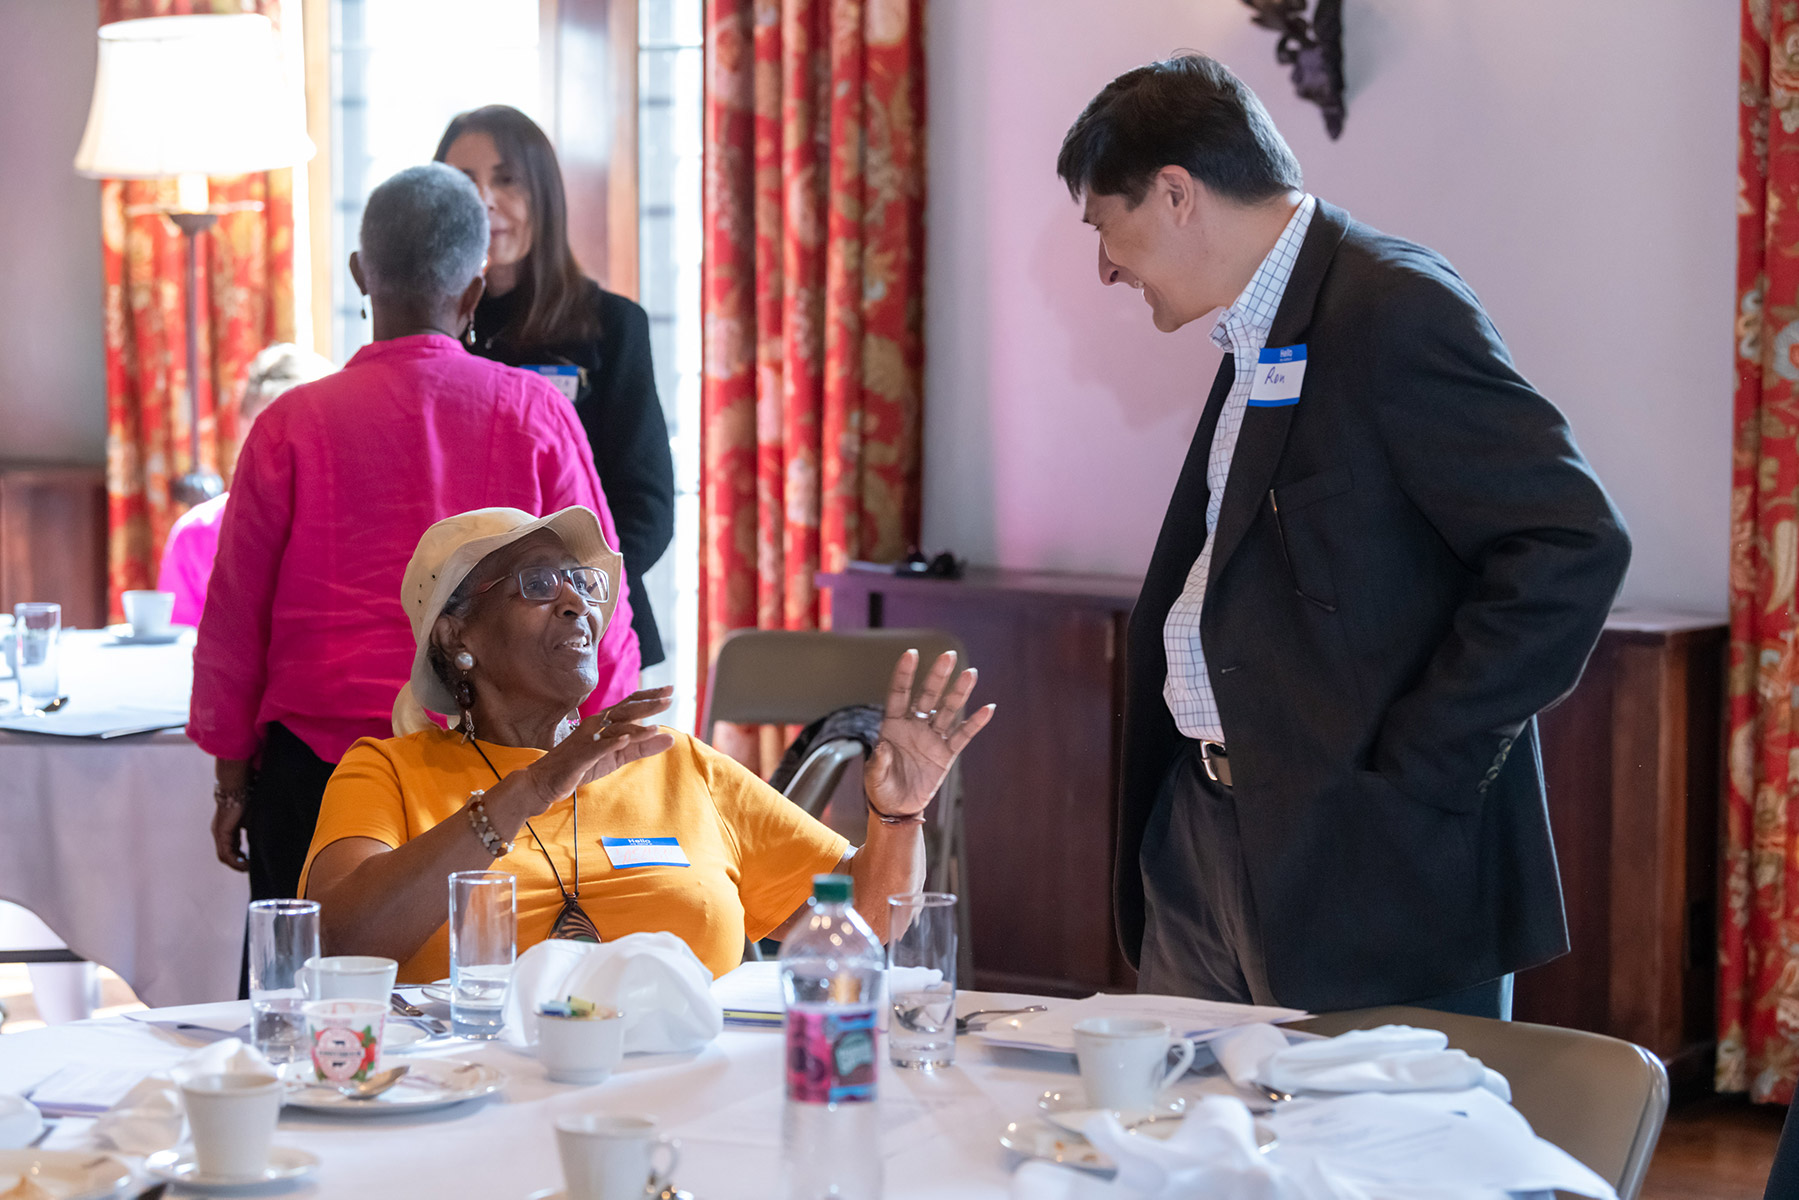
1185	111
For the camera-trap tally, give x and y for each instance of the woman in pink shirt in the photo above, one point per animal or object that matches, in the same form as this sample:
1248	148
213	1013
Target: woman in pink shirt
302	643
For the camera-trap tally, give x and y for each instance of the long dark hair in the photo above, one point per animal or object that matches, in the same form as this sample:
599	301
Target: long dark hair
549	279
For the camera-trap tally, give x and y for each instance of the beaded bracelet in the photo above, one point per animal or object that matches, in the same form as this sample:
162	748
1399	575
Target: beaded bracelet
477	819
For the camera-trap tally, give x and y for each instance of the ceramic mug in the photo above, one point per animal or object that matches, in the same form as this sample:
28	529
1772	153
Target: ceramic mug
1124	1061
148	612
349	977
232	1118
613	1158
581	1049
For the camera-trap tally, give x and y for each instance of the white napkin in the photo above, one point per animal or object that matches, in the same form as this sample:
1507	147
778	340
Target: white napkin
150	1117
1212	1154
664	991
1392	1058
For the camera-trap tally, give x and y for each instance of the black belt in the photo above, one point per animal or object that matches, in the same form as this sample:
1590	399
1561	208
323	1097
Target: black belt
1216	762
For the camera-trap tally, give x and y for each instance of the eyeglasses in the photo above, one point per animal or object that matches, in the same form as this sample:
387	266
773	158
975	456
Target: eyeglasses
539	584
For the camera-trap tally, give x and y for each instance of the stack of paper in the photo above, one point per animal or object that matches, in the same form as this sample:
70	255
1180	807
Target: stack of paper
1196	1019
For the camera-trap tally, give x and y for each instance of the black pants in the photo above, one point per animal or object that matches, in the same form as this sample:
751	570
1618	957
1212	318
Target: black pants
279	818
1200	936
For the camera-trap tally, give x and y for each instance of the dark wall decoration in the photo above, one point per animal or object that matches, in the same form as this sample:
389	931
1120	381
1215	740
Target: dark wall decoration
1313	48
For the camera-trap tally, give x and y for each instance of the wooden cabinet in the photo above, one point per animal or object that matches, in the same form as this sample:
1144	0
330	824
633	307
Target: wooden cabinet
53	539
1633	760
1040	782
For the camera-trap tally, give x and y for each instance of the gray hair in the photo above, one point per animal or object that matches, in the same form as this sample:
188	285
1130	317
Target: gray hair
424	234
278	367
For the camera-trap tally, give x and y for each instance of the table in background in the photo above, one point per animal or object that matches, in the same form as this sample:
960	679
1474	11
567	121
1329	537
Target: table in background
108	841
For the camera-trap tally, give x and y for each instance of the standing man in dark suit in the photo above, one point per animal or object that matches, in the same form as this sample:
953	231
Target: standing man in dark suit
1383	557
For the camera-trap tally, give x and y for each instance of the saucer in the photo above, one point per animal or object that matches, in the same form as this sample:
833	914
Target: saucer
548	1194
122	635
431	1083
20	1122
1068	1110
69	1174
178	1167
438	991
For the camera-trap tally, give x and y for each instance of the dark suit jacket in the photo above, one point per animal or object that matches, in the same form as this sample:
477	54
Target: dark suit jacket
1412	561
619	409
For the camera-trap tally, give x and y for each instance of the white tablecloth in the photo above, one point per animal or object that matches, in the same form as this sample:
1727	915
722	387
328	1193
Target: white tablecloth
108	842
724	1104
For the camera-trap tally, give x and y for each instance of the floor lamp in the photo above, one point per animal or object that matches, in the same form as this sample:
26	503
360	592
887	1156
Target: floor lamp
186	97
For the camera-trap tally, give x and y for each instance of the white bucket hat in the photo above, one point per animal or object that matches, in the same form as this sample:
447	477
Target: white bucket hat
446	554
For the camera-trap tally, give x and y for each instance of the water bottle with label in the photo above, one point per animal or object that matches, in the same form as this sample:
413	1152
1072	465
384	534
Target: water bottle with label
831	977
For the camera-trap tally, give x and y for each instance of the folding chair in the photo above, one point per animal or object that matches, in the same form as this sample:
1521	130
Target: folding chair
789	677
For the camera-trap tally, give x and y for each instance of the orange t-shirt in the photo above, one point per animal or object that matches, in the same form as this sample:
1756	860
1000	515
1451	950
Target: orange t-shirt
752	851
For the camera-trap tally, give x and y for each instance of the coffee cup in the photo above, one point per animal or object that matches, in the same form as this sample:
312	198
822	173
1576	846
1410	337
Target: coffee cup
613	1158
581	1049
1125	1061
148	612
349	977
232	1119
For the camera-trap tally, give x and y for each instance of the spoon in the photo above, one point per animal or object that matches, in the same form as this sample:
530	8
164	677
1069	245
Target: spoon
962	1025
374	1085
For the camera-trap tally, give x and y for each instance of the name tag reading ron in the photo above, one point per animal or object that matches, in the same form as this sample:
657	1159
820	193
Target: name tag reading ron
644	852
566	377
1279	373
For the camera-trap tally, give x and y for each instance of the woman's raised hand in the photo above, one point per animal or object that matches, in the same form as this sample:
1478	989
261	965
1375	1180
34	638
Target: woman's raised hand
598	746
918	745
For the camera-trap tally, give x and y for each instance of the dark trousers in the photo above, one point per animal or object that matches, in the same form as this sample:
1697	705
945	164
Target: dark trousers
279	818
1200	934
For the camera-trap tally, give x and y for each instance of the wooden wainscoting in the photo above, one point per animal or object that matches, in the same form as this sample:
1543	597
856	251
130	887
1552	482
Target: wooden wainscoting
53	539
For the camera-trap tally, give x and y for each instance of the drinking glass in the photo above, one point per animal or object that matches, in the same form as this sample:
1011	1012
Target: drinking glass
483	940
283	935
35	630
921	979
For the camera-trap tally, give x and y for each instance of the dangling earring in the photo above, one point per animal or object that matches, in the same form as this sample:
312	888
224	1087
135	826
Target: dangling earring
365	310
468	335
465	701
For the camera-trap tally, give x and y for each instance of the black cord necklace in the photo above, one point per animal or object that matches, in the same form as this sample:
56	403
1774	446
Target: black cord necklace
572	922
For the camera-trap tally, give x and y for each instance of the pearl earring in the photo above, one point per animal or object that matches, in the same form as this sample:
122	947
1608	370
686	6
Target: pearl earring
465	661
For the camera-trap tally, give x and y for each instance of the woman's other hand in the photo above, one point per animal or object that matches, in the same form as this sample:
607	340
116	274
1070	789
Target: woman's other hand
918	746
233	776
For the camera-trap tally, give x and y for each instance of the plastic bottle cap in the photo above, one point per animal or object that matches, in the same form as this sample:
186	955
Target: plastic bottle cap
832	889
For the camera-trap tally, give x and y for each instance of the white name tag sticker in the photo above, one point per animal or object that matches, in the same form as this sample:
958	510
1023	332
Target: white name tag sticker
1280	372
644	852
566	377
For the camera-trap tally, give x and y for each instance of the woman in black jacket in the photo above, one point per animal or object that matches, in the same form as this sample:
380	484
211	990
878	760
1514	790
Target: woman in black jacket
541	313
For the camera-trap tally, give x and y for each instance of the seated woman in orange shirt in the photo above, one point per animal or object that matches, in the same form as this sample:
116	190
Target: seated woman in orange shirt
507	610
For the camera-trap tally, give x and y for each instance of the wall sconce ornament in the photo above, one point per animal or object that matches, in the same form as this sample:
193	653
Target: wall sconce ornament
1313	48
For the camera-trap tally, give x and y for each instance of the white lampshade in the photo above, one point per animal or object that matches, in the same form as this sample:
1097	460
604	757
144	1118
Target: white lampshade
192	95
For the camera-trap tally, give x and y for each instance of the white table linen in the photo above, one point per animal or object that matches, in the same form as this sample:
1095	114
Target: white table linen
723	1103
107	840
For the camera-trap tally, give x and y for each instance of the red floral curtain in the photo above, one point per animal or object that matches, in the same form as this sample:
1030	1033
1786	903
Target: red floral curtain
1758	1009
246	300
813	289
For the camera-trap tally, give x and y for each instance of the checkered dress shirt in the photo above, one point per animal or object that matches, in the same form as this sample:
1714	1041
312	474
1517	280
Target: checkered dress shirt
1242	330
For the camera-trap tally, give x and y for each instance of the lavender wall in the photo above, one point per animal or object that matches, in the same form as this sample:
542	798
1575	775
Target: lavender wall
53	370
1575	161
